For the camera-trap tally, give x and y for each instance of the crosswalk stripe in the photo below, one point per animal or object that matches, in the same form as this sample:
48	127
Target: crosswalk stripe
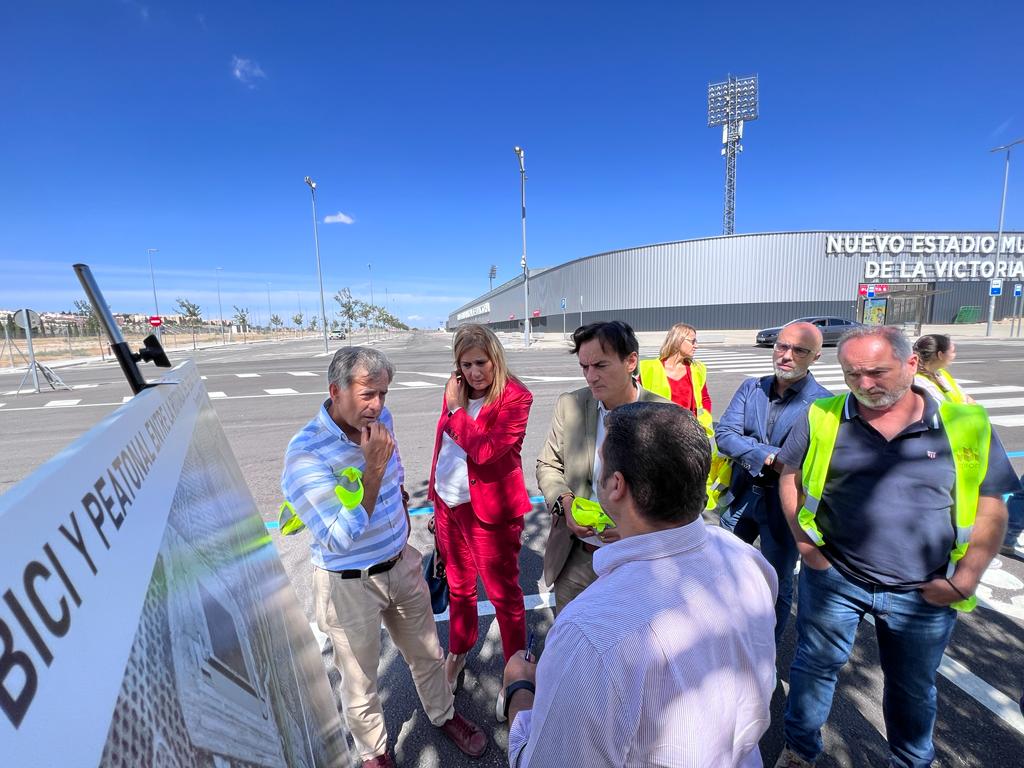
991	390
417	384
61	403
1008	421
1008	402
85	386
281	391
126	398
301	373
247	375
215	395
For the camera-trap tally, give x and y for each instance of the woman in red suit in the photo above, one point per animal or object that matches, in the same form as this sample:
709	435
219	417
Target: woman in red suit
479	494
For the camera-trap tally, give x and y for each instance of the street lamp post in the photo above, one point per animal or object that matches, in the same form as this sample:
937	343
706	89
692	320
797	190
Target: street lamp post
526	272
152	277
369	320
220	307
999	240
319	276
270	313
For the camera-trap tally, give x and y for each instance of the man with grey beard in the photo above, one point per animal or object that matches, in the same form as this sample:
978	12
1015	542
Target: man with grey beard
895	501
751	433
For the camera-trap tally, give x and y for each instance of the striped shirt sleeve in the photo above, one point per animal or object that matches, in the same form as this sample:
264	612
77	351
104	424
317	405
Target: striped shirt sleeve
309	485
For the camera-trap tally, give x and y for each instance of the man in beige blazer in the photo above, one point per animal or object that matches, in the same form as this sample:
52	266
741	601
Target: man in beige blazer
608	353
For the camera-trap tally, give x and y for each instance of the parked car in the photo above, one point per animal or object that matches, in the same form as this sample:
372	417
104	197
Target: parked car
339	335
832	328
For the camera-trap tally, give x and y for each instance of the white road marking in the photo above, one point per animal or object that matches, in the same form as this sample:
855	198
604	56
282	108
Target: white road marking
1009	402
2	405
419	384
126	398
281	391
301	373
552	378
61	403
247	375
1008	421
84	386
216	395
427	373
991	390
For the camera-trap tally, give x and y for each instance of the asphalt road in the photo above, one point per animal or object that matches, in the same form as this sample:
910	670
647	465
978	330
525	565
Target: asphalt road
263	393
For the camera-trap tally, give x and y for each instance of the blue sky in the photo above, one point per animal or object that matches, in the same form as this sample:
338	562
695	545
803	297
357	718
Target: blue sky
189	127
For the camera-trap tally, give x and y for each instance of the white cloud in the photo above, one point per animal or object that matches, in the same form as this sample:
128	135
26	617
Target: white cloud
246	71
338	218
415	317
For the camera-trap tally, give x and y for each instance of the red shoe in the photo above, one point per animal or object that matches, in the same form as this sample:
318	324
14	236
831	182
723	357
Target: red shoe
466	735
380	761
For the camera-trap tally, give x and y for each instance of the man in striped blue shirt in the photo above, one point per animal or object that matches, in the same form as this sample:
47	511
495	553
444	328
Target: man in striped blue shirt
365	571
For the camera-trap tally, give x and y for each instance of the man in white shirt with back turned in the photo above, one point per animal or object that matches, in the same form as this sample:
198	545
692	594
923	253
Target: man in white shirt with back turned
668	659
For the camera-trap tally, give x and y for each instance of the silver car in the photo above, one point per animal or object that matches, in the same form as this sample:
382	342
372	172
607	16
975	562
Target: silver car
832	328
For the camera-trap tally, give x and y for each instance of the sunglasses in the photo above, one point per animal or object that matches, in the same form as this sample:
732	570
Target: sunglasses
797	351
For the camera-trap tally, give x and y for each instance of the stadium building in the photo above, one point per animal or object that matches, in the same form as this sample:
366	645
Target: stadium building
765	279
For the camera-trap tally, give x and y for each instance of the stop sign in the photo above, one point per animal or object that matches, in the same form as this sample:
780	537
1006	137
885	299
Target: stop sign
155	321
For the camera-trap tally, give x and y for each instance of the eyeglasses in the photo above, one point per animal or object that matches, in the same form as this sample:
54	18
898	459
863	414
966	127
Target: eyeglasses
797	351
692	341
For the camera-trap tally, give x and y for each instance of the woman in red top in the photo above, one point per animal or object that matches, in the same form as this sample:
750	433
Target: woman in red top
479	494
680	369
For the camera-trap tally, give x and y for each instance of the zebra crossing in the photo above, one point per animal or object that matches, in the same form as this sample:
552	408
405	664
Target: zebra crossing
998	399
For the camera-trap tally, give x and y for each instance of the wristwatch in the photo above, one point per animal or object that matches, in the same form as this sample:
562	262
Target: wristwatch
518	685
558	508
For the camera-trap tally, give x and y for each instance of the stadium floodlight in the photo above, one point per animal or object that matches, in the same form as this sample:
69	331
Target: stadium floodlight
730	104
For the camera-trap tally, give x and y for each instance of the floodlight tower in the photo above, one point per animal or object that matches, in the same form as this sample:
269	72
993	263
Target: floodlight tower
730	104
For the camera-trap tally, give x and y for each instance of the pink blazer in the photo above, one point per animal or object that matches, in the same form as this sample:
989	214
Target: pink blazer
493	444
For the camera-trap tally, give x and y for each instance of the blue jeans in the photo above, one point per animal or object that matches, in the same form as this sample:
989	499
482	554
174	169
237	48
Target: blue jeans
1015	524
758	514
912	636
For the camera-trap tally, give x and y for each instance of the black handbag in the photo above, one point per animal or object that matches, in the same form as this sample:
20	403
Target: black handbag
437	580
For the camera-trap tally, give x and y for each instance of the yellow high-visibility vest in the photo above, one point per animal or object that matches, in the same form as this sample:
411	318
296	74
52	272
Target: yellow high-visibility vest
969	433
950	390
349	491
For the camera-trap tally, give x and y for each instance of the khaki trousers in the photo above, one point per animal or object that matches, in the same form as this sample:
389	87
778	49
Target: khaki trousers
577	574
350	612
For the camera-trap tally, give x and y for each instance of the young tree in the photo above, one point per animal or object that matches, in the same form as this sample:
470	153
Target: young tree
297	320
241	318
84	309
314	323
193	316
275	322
348	307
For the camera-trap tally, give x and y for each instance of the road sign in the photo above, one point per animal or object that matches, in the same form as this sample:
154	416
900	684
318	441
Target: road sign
1017	289
563	302
536	313
995	288
155	321
33	317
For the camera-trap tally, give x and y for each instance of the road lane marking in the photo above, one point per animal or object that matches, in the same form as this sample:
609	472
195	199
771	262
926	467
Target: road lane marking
301	373
281	391
1009	402
216	395
61	403
991	390
1008	421
417	384
247	375
84	386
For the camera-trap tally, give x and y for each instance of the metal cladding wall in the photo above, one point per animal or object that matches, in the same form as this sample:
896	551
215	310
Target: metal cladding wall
735	281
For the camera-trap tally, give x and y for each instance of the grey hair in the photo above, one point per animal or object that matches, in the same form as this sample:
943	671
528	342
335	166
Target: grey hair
899	343
347	361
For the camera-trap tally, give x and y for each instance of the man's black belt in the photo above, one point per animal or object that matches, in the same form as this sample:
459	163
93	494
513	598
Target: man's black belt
373	570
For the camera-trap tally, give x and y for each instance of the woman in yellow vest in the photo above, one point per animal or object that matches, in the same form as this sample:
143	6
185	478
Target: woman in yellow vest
935	353
676	376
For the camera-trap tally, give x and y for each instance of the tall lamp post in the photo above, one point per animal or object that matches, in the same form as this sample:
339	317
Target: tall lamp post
270	312
369	268
319	276
152	277
220	307
999	241
522	262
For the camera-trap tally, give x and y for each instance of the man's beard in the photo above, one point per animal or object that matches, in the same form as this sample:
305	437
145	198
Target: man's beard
790	375
883	401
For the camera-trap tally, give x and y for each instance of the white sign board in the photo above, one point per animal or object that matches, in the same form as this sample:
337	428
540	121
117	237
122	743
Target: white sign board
146	618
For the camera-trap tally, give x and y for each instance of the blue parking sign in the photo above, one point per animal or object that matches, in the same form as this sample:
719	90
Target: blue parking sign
563	302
